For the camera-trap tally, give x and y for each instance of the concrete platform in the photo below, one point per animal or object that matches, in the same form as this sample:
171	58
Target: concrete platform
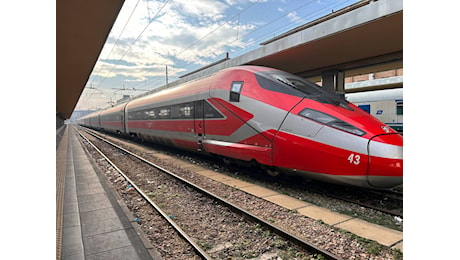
91	223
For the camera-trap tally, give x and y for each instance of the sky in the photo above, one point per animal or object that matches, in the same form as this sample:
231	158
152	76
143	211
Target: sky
151	37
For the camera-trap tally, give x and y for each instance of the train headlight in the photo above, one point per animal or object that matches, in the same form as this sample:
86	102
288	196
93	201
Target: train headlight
331	121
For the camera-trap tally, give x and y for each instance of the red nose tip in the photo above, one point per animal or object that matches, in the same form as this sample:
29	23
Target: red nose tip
385	167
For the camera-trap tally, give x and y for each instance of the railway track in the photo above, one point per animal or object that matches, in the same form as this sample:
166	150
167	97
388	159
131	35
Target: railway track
387	202
264	232
351	201
357	202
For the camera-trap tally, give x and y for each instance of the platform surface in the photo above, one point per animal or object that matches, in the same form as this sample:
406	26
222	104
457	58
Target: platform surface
94	225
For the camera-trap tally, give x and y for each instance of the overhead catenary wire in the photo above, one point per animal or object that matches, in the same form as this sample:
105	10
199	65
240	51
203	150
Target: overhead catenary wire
111	50
147	84
214	30
119	35
228	42
134	42
264	36
176	54
270	34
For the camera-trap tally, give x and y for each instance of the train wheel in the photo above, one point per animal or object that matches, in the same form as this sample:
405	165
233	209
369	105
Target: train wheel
272	171
226	161
137	137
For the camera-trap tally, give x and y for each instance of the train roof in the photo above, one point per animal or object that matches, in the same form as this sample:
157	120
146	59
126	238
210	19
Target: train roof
92	114
376	95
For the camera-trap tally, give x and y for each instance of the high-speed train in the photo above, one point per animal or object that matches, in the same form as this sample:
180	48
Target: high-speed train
262	115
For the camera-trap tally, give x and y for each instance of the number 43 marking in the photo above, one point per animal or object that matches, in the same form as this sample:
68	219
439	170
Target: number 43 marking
354	158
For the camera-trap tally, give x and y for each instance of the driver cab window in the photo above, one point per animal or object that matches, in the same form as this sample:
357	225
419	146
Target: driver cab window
235	90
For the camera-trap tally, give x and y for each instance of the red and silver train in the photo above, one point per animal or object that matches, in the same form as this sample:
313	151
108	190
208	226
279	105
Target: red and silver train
280	121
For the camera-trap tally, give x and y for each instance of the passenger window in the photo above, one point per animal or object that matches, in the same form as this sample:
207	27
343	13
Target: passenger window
150	113
210	111
236	90
186	110
138	115
165	112
399	107
131	116
175	111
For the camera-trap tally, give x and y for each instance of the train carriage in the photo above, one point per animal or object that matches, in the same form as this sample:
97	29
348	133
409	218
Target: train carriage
266	116
168	117
91	120
113	119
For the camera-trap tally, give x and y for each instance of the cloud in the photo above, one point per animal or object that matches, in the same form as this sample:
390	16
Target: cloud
183	35
120	62
294	17
201	10
184	32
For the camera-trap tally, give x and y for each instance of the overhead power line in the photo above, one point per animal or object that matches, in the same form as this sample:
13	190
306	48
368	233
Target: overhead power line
134	42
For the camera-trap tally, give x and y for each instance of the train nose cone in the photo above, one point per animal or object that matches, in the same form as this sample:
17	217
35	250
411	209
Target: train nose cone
385	166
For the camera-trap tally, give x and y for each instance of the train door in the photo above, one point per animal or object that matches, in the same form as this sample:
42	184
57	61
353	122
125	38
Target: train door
124	117
122	124
99	125
199	123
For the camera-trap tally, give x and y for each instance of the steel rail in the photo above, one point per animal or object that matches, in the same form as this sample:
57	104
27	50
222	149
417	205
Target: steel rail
165	216
363	204
291	237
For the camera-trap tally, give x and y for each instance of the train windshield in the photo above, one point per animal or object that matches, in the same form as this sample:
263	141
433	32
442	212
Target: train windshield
290	84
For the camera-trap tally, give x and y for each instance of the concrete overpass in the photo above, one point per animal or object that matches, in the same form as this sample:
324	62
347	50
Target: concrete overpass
362	38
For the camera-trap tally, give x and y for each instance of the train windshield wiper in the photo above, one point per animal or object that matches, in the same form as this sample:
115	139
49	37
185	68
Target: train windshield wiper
287	82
